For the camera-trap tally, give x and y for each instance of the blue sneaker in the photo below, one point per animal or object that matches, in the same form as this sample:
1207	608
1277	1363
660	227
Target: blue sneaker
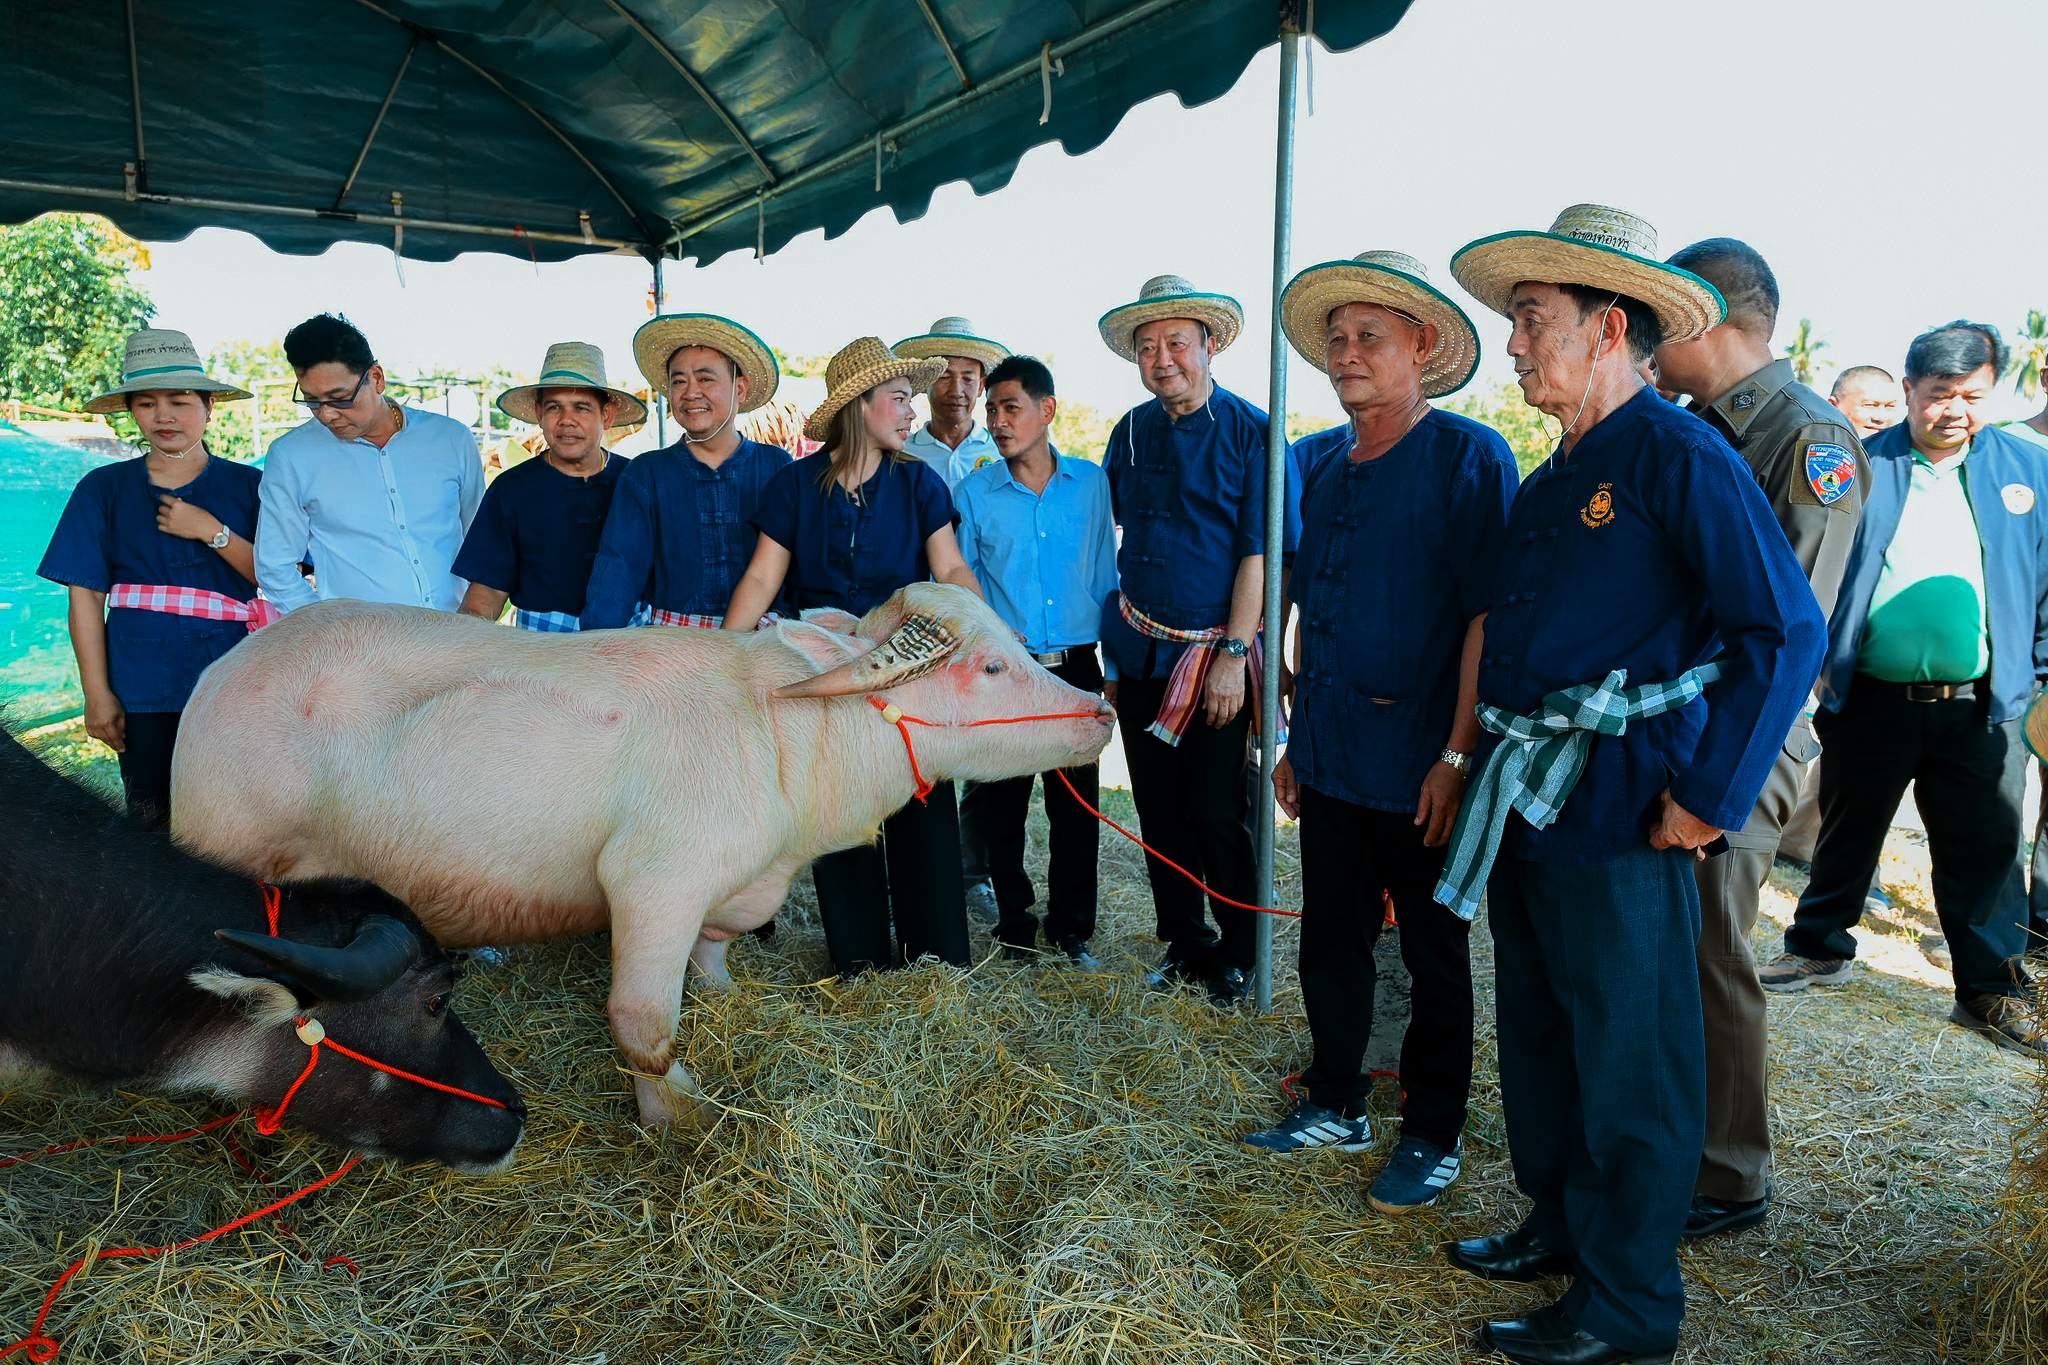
1311	1128
1415	1176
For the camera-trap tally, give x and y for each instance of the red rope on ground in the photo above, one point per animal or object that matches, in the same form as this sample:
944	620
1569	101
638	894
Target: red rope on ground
1262	909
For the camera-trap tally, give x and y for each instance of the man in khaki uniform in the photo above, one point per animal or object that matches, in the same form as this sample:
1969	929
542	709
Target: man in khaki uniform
1813	470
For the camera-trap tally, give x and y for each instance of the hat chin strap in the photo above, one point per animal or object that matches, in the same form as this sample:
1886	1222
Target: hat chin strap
1591	375
688	439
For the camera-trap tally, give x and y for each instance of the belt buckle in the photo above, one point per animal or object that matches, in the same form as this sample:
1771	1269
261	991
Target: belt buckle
1929	692
1052	660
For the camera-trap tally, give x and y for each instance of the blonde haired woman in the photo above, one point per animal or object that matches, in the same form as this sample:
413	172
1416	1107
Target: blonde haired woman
846	528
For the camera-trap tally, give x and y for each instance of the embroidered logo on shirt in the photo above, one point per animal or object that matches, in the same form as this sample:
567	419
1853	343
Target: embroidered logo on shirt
984	461
1744	401
1831	470
2018	498
1600	511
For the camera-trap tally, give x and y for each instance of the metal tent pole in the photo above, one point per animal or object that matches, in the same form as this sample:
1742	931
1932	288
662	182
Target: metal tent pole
1276	506
657	397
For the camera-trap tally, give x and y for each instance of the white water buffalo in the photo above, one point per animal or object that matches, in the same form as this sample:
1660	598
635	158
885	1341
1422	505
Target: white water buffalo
126	961
512	786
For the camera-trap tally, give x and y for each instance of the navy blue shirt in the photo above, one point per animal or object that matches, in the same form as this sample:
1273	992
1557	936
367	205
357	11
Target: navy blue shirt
1190	495
680	533
1651	549
1397	555
108	535
537	532
846	553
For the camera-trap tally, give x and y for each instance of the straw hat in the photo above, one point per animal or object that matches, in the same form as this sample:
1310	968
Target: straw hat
1393	280
951	337
161	359
574	365
860	365
1593	245
2034	729
1170	296
662	337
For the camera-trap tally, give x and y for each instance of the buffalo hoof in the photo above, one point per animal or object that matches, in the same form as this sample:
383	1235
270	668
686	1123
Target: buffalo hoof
673	1099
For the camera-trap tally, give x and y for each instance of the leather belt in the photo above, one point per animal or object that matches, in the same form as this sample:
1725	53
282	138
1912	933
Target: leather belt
1060	656
1927	691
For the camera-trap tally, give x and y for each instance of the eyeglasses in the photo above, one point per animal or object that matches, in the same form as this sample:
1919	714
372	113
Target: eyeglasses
315	404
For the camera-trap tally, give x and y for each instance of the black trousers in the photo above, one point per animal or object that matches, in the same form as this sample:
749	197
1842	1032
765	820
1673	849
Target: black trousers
1194	805
1350	856
2037	879
912	870
1968	779
146	766
992	816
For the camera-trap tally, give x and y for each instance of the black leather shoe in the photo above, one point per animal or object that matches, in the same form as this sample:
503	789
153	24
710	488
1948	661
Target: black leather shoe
1549	1337
1078	956
1228	988
1709	1217
1516	1255
1018	952
1172	972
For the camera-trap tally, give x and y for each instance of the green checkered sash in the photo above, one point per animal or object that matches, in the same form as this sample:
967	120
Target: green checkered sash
1539	761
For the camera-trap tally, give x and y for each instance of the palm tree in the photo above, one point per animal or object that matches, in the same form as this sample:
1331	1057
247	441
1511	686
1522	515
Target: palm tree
1802	350
2029	370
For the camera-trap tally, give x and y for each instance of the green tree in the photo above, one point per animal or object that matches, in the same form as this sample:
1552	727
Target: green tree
1080	429
260	367
801	366
1530	434
66	306
2029	370
1803	350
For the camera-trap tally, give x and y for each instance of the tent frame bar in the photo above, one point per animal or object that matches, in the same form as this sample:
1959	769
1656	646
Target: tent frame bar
931	16
1023	70
1276	510
135	99
193	201
703	92
378	126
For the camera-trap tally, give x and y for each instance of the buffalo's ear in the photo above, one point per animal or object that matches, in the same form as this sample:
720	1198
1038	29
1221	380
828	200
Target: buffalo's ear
832	619
265	1001
825	648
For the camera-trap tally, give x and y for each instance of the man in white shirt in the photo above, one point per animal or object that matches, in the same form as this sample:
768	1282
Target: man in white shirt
951	443
375	496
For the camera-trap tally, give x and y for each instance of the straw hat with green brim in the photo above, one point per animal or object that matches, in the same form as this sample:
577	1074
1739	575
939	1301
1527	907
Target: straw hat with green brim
574	365
1170	296
950	337
161	361
2035	727
1602	248
1394	281
662	337
859	366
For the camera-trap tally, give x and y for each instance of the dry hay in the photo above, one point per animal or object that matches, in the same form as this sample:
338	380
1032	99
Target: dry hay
1004	1165
2011	1303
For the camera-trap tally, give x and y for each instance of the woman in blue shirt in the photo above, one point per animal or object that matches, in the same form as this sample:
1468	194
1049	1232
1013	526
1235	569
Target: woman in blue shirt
846	528
167	536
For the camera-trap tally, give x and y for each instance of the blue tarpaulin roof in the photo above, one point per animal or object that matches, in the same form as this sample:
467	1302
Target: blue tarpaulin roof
561	126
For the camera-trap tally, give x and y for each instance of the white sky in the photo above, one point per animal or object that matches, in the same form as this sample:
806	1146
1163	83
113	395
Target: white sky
1878	152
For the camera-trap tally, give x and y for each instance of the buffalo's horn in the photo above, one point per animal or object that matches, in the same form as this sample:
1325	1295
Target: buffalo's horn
382	951
921	644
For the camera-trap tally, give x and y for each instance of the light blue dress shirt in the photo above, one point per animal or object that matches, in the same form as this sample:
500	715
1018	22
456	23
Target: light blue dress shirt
1046	561
977	451
380	525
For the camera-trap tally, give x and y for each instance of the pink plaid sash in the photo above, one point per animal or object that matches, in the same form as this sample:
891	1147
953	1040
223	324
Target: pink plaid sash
1184	686
660	616
212	606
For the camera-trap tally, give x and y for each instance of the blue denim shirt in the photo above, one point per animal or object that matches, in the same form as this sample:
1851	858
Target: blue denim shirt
1396	558
2013	527
680	533
107	535
1190	495
848	553
1653	550
537	532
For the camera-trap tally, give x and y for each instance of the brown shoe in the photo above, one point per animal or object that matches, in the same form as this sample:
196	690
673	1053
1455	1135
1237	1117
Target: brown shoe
2006	1020
1791	972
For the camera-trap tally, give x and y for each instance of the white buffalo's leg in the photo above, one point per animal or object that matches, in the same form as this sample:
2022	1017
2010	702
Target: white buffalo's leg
651	942
753	905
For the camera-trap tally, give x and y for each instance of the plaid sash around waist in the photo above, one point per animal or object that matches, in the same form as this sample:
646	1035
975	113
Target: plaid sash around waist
547	622
1190	676
211	606
661	616
1539	760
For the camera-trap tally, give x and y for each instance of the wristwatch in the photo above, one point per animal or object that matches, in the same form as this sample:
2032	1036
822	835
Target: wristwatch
221	537
1455	759
1236	648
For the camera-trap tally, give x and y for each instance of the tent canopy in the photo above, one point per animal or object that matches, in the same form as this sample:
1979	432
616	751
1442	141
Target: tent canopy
555	127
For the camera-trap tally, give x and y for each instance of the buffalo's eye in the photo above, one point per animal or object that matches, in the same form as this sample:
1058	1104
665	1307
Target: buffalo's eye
993	667
438	1006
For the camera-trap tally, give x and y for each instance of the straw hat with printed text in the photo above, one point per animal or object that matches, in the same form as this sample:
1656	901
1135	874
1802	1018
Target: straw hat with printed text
1170	296
860	365
662	337
161	360
950	337
1597	246
1395	281
574	365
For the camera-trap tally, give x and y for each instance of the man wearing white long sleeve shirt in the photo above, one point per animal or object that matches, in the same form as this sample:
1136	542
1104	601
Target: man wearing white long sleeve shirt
375	496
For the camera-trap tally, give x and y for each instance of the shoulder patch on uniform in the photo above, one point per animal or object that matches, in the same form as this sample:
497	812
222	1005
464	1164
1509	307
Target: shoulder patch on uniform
1830	471
1744	401
2018	498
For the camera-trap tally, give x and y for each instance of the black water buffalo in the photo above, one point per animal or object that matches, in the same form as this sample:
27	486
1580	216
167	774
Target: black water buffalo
125	959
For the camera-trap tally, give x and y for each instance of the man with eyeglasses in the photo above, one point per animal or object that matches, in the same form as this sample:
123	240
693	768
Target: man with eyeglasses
377	497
